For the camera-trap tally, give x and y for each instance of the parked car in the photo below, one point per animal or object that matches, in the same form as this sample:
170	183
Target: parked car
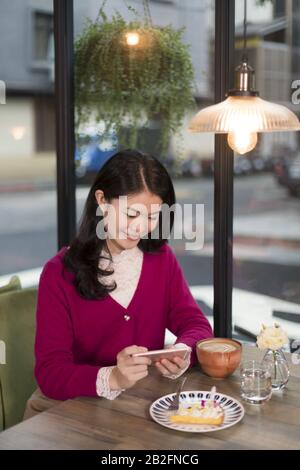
287	172
207	166
191	167
293	177
280	170
258	164
280	158
93	149
241	165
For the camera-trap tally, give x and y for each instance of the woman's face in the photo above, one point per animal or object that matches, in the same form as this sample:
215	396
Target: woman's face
129	218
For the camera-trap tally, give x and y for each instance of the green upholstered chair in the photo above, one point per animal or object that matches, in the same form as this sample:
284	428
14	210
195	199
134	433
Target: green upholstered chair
17	331
2	419
14	284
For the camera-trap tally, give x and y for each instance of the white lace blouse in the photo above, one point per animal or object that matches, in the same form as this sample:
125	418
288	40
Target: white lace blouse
127	266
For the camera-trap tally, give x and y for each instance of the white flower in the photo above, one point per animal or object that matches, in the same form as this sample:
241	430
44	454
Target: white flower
272	337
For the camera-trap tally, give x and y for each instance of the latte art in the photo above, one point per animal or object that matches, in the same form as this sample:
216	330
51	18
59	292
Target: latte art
218	347
219	357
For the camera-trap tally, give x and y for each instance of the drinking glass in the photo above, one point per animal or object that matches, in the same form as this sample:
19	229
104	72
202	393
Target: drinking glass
256	382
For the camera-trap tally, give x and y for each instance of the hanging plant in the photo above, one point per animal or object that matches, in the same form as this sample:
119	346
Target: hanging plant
132	72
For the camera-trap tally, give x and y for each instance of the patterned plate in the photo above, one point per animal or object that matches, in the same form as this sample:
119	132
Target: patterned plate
233	409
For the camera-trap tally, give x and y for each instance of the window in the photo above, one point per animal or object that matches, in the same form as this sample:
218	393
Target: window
266	193
27	152
43	36
192	152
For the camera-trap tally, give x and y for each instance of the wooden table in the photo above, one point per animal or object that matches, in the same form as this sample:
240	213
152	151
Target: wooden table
124	423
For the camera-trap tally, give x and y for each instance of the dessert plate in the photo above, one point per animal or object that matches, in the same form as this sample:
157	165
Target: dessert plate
233	411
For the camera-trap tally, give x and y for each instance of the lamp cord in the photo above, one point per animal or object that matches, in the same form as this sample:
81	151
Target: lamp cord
245	57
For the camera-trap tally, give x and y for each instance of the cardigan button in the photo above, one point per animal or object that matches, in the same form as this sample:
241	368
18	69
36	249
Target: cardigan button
126	317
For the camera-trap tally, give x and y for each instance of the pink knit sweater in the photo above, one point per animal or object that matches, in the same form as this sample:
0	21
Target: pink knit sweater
75	337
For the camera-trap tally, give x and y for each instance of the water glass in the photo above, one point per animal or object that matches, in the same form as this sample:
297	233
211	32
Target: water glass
256	382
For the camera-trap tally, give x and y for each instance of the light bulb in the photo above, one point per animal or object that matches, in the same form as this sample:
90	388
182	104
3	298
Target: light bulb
242	141
132	38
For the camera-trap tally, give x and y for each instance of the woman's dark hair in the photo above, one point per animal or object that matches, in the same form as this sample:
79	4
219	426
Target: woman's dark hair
125	173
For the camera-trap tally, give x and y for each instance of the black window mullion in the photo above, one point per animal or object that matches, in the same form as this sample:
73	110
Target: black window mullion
223	173
64	103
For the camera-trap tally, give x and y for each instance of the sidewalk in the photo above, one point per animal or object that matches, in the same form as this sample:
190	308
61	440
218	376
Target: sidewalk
280	228
266	254
273	235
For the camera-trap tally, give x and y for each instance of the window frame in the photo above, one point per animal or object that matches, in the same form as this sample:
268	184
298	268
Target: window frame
223	167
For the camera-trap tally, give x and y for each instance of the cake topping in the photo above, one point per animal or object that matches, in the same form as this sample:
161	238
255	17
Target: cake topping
203	412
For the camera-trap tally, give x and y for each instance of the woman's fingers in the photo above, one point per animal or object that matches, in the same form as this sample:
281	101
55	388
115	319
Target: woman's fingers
136	368
161	368
126	355
167	367
172	367
140	360
132	350
131	368
134	361
181	363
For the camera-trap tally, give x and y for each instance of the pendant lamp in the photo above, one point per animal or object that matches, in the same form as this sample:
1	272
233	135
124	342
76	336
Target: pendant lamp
243	113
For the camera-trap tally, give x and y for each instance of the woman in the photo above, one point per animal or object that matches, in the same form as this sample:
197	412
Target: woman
114	290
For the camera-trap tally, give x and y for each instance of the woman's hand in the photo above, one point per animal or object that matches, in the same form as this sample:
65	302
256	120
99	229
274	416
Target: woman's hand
175	367
129	370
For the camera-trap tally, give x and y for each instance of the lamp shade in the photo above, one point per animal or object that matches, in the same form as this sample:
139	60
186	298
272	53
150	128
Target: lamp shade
250	113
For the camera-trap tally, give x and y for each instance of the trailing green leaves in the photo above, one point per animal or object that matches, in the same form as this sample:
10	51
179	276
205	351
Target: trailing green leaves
118	83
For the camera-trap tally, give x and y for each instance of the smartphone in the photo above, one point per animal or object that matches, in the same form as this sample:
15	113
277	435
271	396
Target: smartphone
159	354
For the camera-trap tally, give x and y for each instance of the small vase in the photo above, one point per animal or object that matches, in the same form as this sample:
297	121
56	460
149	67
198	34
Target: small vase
278	367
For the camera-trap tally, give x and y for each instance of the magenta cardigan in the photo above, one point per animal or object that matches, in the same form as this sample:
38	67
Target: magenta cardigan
75	337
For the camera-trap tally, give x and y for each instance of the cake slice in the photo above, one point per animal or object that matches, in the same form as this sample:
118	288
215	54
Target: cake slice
205	412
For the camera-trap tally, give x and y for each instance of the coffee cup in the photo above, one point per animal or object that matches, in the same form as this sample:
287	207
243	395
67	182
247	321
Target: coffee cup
219	357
